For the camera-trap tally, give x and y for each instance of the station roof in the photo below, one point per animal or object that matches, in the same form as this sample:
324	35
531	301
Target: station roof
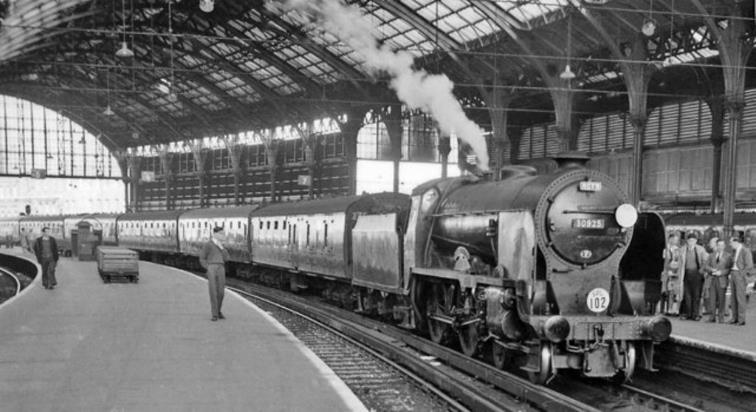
251	64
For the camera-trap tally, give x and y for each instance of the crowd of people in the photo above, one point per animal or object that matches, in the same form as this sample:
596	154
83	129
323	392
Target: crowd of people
696	279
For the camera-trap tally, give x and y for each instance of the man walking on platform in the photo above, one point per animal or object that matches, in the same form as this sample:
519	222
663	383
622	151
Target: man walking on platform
717	269
46	250
213	257
692	260
743	264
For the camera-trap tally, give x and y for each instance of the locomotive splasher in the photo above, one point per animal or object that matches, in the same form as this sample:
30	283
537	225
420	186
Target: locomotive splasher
555	270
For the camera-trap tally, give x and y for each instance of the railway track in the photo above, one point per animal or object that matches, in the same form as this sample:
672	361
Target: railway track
476	385
10	284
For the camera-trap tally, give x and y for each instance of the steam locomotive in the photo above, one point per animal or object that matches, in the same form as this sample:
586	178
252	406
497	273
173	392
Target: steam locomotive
545	272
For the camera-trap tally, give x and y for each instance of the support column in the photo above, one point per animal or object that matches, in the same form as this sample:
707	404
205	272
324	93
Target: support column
349	130
716	106
498	101
392	118
134	166
271	152
734	49
637	74
234	153
200	157
166	162
444	148
312	141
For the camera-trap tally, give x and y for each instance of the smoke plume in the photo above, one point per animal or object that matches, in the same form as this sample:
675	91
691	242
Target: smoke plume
431	93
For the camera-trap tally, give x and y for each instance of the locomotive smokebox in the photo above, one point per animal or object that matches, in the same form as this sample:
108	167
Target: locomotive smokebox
571	159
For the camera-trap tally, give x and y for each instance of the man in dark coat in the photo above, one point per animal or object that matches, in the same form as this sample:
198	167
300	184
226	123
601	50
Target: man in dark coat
742	265
46	250
717	271
213	257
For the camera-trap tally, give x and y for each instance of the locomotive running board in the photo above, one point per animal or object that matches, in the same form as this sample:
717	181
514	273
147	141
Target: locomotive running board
465	280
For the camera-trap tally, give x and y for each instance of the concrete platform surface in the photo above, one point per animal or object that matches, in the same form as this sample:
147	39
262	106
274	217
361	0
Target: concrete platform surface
736	340
91	346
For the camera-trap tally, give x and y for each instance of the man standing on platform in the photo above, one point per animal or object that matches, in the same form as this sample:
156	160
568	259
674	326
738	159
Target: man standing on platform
692	260
213	257
743	264
717	269
24	241
46	250
670	304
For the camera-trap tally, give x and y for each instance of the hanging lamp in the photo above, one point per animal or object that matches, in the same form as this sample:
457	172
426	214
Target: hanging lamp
124	52
568	74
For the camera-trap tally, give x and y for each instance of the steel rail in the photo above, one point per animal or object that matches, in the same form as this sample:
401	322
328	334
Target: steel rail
18	282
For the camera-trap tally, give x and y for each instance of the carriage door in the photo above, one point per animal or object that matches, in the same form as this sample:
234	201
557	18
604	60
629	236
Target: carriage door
293	239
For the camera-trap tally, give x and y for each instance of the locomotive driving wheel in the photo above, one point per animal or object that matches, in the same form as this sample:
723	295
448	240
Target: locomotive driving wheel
469	338
542	375
437	303
626	375
499	355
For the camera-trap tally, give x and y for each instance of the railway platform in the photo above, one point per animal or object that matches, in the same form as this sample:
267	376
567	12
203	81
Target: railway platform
92	346
739	341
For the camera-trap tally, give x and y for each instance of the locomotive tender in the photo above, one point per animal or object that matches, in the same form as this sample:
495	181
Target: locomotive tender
547	272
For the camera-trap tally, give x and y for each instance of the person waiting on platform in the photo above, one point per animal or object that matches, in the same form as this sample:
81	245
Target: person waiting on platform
742	265
46	250
717	278
213	257
24	241
692	260
670	303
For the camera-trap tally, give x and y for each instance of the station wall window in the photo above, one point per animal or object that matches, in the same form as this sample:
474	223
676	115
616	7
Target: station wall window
261	224
267	226
275	225
325	235
307	238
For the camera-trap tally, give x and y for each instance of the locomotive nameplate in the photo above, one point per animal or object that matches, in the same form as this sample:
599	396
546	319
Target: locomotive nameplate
588	223
589	186
598	300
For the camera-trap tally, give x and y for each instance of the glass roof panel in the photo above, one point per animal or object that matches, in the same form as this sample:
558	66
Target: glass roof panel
526	11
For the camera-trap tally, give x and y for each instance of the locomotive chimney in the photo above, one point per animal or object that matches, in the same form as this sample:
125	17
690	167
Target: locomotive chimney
571	159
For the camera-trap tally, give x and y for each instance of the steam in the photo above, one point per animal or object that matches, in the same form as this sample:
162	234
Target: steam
431	93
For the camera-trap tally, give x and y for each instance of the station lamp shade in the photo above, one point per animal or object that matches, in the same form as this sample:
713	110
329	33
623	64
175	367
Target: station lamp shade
207	5
124	52
567	74
649	27
108	111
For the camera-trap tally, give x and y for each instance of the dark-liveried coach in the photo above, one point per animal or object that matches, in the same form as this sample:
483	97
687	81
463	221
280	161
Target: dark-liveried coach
213	257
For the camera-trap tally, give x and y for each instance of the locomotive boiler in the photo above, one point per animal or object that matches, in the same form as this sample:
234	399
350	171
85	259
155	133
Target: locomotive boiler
550	271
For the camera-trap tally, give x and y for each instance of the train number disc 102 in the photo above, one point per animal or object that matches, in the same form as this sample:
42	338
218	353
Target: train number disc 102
598	300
